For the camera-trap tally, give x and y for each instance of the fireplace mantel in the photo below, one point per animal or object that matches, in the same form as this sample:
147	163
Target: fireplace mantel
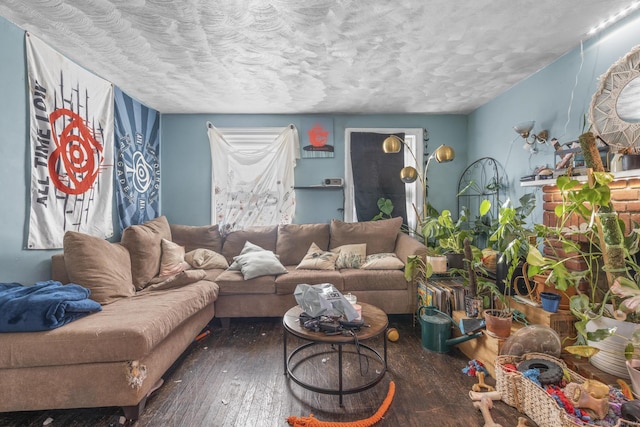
634	173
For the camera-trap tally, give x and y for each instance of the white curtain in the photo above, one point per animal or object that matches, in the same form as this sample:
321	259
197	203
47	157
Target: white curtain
253	176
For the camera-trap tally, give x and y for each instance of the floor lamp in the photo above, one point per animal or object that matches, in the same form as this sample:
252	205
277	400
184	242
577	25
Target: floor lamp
409	174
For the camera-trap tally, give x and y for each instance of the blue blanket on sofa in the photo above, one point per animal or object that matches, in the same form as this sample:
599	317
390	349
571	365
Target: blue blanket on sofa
42	306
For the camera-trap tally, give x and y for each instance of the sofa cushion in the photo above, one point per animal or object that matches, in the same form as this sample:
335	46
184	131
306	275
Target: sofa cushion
294	241
232	282
205	259
286	283
145	249
100	266
350	256
264	236
261	263
172	259
380	280
380	236
127	330
317	259
382	262
197	236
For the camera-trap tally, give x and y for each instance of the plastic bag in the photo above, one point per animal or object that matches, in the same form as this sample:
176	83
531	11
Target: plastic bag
324	300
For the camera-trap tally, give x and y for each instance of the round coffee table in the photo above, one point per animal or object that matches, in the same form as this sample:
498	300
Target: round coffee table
376	323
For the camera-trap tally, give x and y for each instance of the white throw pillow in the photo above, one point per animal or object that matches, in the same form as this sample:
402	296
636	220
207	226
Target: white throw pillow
247	248
256	264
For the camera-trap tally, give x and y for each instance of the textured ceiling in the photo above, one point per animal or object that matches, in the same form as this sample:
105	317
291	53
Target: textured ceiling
311	56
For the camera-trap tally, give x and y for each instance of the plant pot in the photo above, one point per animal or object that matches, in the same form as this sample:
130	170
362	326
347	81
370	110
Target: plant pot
610	358
633	368
498	323
438	264
630	161
550	301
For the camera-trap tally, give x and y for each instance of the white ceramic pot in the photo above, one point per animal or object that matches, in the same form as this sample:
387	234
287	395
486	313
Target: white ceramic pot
611	357
633	368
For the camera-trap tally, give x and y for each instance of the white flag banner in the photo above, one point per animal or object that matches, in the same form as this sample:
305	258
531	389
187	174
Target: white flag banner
71	133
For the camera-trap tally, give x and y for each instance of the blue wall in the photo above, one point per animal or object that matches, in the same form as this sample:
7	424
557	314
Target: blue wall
546	97
16	264
186	161
186	164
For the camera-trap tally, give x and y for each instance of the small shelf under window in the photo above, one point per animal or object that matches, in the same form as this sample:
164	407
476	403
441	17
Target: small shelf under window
319	187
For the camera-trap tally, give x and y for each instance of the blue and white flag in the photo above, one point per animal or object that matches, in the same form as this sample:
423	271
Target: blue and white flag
137	145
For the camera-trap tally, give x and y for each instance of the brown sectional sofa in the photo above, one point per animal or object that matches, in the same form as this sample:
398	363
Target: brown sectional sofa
117	357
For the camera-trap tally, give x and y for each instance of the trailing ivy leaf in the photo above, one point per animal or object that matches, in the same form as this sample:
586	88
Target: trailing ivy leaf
600	334
535	257
582	350
628	351
581	308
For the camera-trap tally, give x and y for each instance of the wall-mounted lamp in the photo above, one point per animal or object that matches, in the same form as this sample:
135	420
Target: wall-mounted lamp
409	174
530	140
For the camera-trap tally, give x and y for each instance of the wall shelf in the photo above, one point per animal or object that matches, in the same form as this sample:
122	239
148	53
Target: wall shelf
633	173
319	187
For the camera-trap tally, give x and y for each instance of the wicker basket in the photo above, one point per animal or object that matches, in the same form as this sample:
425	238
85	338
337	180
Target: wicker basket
531	399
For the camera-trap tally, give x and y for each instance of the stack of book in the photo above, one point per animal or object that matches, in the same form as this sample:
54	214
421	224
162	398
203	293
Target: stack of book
444	293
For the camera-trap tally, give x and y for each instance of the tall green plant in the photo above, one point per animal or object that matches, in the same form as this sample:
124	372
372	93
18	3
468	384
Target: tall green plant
447	233
601	244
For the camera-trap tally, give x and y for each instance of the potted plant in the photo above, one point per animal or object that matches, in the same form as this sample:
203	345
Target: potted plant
447	236
511	238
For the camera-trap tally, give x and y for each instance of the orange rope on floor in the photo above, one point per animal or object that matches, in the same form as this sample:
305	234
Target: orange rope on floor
311	421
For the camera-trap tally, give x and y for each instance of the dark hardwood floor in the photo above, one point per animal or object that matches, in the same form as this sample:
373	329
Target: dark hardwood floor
234	378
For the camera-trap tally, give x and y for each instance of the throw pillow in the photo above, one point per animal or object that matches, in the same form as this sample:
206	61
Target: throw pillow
145	249
206	259
256	264
383	262
248	248
317	259
172	261
100	266
350	256
380	236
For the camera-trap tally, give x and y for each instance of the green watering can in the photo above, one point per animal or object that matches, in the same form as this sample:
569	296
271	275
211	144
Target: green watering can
436	330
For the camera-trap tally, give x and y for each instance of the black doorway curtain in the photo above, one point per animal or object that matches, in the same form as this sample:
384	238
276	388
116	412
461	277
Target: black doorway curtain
375	175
